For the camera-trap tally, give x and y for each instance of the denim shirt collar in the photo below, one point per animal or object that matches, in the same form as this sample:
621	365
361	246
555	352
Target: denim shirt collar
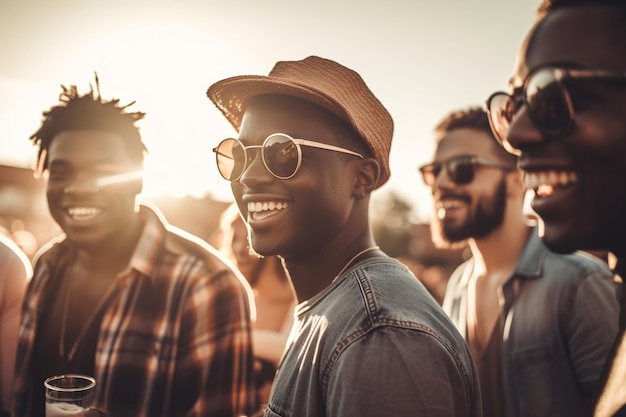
529	264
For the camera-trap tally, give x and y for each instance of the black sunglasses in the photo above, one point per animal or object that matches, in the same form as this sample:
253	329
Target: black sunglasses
281	154
546	97
460	169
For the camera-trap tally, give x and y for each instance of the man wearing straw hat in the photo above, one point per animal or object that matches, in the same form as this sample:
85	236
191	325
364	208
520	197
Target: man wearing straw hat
368	340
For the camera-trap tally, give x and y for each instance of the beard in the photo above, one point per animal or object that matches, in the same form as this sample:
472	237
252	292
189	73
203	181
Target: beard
487	217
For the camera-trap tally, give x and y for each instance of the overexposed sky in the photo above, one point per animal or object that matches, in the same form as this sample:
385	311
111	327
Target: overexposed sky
421	58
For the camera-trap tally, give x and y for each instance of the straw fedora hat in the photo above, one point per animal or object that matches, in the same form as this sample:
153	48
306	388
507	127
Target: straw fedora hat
321	81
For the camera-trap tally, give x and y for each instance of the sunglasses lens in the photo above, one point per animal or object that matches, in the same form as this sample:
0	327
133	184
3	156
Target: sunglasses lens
501	110
281	156
460	170
231	159
430	173
548	101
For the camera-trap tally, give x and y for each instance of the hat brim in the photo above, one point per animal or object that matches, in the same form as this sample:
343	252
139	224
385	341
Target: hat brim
231	95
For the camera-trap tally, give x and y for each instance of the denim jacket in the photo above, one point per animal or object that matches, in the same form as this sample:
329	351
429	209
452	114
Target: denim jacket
375	343
559	316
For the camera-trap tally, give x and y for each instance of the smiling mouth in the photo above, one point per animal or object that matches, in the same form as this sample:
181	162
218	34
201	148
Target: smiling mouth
544	183
449	204
83	213
261	210
446	204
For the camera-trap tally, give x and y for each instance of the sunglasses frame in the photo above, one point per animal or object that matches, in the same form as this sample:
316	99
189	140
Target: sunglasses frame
471	160
559	75
296	141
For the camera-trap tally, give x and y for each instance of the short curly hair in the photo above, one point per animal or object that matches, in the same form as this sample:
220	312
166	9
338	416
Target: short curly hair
88	112
471	118
474	117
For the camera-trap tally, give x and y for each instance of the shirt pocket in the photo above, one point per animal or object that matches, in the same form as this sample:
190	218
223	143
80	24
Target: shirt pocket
534	381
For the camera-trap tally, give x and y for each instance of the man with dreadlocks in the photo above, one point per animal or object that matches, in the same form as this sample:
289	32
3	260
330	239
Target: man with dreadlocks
153	313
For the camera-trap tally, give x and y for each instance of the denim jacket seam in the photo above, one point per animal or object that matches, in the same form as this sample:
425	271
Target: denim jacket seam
398	324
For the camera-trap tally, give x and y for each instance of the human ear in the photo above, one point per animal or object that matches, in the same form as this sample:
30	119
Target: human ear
367	177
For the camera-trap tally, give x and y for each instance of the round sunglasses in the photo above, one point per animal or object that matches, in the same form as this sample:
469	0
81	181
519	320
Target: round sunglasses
547	98
460	169
281	155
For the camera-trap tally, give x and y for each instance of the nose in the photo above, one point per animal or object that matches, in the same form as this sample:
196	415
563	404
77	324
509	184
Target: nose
255	171
522	133
442	181
82	184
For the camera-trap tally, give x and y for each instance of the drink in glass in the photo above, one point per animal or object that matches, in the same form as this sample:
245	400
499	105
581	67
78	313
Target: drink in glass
67	395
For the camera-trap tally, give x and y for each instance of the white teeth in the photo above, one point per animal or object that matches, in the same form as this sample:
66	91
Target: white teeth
268	205
450	204
544	190
83	213
548	180
442	206
553	177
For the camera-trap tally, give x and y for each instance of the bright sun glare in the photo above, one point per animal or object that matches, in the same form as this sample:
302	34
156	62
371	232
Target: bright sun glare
166	70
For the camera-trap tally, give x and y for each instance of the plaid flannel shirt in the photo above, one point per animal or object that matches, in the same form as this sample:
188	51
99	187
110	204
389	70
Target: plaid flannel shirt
176	341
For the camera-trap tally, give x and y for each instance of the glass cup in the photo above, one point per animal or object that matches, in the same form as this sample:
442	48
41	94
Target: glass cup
67	395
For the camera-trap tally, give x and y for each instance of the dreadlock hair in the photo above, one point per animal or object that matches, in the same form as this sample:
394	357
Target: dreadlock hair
472	118
88	112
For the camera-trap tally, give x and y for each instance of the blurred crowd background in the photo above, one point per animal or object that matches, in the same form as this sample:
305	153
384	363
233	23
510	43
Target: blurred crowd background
25	218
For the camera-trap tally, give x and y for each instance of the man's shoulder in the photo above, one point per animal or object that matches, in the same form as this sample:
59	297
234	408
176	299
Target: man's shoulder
388	276
391	296
53	249
181	243
539	261
212	265
578	263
